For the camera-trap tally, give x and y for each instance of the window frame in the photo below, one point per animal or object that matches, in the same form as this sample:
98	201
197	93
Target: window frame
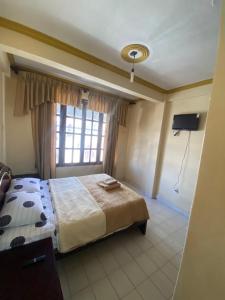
62	137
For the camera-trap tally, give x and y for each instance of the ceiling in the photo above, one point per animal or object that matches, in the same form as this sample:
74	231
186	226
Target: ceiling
181	34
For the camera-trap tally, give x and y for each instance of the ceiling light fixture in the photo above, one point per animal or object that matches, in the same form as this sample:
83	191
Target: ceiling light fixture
134	53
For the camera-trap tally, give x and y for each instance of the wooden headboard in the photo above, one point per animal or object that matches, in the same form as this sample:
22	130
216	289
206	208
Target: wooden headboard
5	180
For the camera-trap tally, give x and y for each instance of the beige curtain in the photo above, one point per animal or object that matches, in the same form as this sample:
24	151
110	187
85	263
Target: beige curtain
43	119
34	89
39	93
117	117
100	102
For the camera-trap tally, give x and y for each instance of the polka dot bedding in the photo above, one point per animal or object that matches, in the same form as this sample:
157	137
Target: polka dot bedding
11	237
24	184
22	208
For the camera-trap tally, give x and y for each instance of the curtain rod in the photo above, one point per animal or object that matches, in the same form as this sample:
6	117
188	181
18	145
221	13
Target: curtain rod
16	68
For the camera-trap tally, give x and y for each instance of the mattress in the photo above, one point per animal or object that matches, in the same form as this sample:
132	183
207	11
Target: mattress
33	233
86	212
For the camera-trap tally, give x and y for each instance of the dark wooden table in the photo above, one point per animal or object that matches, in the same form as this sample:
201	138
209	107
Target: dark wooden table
38	281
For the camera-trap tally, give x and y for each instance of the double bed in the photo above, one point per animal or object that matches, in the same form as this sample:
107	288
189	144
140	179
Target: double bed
77	211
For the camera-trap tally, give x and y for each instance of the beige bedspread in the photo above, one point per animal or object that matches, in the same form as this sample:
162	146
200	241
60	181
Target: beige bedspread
79	217
122	206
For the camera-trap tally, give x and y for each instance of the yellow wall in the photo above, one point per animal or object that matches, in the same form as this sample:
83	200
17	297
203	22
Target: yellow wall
203	267
191	101
144	126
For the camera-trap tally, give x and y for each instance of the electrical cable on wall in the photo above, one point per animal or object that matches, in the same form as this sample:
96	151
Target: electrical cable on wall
176	185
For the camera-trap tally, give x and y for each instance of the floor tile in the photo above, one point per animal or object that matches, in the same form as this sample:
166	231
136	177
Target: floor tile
149	291
103	290
146	264
133	296
166	250
121	283
132	246
121	255
176	260
77	280
86	294
134	273
163	283
156	256
108	262
170	271
94	270
64	283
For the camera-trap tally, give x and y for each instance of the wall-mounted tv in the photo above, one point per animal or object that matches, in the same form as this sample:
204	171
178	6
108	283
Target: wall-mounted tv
186	122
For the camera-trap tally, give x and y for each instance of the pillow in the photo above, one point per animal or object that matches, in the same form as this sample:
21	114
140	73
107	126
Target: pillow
22	208
24	184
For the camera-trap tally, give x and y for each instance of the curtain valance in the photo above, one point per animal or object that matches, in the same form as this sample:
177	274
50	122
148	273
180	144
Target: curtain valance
34	89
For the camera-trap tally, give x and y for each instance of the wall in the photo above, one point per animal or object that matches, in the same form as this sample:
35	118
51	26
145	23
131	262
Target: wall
144	126
19	143
195	100
202	270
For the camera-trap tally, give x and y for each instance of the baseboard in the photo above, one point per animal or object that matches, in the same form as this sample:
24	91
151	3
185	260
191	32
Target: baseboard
172	206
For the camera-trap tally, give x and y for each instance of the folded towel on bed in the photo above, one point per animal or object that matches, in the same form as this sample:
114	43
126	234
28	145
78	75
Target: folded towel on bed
109	187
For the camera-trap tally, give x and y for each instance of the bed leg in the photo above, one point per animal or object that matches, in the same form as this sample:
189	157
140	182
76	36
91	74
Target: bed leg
143	227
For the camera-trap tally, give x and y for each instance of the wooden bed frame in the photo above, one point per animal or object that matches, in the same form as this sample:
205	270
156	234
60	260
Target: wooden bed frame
5	180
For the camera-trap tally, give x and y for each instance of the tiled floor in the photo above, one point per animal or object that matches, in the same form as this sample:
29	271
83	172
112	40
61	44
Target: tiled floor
129	265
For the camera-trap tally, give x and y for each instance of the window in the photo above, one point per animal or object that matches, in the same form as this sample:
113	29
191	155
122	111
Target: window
80	135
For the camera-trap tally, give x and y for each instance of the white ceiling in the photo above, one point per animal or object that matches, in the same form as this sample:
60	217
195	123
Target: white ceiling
181	34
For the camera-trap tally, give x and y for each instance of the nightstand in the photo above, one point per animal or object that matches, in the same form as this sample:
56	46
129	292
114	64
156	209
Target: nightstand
38	281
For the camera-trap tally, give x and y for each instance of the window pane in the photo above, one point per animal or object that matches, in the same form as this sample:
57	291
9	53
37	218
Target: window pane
95	115
101	155
103	129
93	155
88	127
76	142
87	141
58	108
86	155
94	142
76	156
102	142
78	125
89	114
57	140
104	117
57	156
57	123
69	125
69	140
78	113
95	128
68	156
70	110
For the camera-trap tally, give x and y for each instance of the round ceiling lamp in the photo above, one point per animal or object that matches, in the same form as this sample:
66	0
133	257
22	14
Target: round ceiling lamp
134	53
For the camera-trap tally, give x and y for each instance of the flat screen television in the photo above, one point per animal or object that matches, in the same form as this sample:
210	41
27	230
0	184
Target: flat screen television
186	122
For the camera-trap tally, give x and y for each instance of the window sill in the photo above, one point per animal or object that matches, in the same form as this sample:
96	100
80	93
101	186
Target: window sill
78	165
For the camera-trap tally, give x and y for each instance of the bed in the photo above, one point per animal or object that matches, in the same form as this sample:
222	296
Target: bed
77	212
